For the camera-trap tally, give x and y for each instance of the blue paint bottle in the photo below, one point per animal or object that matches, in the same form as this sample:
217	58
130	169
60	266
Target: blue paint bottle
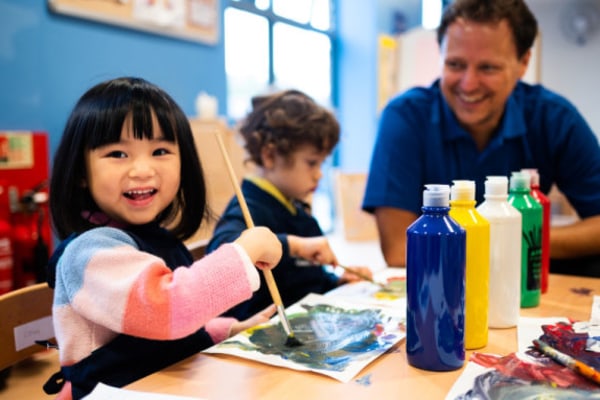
435	285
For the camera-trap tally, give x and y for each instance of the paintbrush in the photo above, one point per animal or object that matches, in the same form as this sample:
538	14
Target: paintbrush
572	363
291	341
362	276
308	263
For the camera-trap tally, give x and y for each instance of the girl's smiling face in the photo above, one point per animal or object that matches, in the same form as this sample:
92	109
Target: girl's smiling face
134	180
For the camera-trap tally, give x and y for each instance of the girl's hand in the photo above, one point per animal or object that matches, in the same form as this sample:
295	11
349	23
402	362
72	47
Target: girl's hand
259	318
314	249
262	245
349	277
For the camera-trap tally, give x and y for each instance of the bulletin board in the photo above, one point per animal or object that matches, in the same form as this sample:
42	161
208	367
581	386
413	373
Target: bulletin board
196	20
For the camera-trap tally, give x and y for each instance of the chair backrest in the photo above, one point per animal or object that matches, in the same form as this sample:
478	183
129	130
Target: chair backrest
25	316
356	223
218	186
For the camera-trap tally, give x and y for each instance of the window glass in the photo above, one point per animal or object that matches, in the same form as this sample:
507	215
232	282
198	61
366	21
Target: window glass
301	60
246	58
296	10
262	4
321	15
315	12
431	11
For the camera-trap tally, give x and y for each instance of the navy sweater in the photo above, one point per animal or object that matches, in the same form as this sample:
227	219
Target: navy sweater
294	279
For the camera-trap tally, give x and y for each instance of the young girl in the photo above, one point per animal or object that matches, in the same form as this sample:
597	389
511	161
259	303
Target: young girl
126	189
288	136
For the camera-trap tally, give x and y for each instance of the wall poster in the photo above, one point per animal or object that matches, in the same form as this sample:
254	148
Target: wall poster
196	20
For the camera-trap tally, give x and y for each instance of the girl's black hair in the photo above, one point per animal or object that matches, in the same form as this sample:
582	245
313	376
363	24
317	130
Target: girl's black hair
97	120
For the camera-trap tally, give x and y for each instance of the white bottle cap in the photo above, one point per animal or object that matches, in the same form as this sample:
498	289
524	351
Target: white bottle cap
436	195
533	173
519	180
496	185
463	190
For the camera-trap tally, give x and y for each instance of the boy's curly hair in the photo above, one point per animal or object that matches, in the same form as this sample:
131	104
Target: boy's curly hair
288	120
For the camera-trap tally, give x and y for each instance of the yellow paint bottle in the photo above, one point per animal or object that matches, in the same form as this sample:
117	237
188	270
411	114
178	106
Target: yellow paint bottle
463	211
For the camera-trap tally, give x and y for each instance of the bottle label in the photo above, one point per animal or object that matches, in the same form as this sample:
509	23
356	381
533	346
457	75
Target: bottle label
533	238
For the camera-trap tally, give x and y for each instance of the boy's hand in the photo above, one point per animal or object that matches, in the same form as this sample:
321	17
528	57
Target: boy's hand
349	277
314	249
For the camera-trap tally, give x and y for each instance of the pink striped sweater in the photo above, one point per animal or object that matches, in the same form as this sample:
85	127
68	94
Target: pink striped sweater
106	286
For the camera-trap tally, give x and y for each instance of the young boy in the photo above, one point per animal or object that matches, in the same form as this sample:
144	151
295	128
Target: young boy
288	136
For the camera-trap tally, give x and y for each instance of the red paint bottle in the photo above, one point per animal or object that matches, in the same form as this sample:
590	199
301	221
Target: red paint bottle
541	198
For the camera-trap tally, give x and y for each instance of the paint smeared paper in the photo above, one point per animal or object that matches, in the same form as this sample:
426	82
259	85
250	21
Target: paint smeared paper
517	376
339	339
392	294
531	374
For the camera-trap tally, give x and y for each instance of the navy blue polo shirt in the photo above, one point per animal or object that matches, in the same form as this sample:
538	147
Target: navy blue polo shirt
420	142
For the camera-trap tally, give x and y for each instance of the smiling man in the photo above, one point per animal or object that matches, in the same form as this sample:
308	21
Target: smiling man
479	119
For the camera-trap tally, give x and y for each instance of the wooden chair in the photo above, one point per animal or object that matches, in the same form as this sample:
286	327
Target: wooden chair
218	186
357	225
25	317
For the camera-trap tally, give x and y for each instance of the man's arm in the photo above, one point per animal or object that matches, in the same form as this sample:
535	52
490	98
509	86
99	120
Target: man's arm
392	224
579	239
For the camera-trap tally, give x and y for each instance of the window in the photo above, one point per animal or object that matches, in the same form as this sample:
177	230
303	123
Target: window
276	45
246	58
431	11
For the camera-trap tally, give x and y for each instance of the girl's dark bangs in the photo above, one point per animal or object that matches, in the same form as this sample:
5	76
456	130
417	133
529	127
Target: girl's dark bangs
106	118
166	121
142	109
141	116
105	126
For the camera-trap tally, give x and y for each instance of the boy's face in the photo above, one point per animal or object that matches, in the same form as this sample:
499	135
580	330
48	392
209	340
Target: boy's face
132	181
298	176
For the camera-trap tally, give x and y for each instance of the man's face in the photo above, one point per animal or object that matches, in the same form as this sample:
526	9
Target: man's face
480	69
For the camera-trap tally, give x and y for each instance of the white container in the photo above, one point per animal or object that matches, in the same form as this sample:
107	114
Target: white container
505	253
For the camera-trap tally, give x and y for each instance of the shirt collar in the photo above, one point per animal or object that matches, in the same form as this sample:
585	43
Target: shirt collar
268	187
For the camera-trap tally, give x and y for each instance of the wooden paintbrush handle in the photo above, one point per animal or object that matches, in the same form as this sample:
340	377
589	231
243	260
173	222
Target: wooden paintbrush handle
272	287
248	218
235	183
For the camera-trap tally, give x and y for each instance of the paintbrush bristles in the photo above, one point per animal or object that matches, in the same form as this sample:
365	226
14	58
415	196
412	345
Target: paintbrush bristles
292	341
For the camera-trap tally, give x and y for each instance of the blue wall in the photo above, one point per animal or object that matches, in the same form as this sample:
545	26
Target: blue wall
357	82
359	23
48	60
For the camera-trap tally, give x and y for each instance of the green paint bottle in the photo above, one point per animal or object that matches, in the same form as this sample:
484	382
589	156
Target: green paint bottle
531	237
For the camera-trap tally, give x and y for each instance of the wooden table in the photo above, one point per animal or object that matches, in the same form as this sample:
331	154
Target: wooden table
389	377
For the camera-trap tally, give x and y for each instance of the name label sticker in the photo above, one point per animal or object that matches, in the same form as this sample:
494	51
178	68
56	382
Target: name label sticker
27	334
